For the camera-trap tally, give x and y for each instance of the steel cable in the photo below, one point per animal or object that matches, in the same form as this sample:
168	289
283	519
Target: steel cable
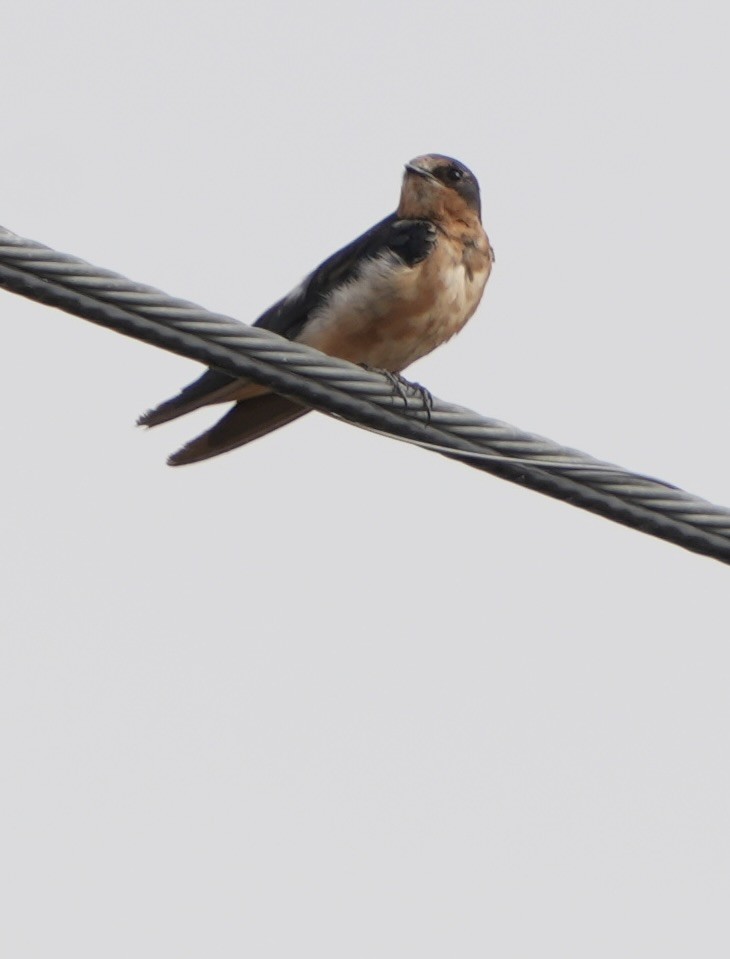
363	397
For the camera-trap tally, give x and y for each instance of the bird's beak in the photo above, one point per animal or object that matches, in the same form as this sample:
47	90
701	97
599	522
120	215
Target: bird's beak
420	171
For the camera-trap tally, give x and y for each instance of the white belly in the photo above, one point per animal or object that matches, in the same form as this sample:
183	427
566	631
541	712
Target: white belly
390	316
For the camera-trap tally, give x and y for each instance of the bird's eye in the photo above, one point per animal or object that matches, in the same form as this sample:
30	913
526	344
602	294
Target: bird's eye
454	174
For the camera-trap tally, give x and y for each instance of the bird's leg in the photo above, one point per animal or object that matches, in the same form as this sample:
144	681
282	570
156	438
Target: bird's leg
402	387
421	391
426	399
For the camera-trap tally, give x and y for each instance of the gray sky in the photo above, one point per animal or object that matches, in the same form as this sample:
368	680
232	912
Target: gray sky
331	695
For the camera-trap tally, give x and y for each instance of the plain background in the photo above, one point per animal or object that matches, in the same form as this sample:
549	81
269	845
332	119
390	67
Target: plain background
331	695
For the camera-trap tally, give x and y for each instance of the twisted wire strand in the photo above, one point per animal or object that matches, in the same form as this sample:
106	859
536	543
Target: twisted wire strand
361	396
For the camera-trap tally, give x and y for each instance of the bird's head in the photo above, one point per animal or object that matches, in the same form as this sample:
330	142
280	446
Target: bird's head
437	186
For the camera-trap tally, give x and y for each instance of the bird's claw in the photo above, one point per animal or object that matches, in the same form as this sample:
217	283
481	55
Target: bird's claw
403	387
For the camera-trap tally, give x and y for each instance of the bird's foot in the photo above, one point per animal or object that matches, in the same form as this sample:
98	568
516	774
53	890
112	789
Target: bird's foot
402	388
423	393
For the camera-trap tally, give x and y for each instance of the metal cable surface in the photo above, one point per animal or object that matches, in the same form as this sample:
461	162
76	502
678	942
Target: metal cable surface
361	396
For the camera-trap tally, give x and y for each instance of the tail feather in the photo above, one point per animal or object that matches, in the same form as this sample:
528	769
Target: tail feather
211	387
248	420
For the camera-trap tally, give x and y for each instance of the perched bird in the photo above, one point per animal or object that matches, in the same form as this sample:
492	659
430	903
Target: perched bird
385	300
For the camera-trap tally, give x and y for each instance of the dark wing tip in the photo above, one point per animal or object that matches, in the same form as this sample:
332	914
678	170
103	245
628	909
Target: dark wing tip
248	420
179	458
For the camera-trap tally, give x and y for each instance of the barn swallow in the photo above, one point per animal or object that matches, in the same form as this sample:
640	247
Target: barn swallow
384	301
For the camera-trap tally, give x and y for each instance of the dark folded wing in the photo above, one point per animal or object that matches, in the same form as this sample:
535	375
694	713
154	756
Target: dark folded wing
409	240
288	316
246	421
